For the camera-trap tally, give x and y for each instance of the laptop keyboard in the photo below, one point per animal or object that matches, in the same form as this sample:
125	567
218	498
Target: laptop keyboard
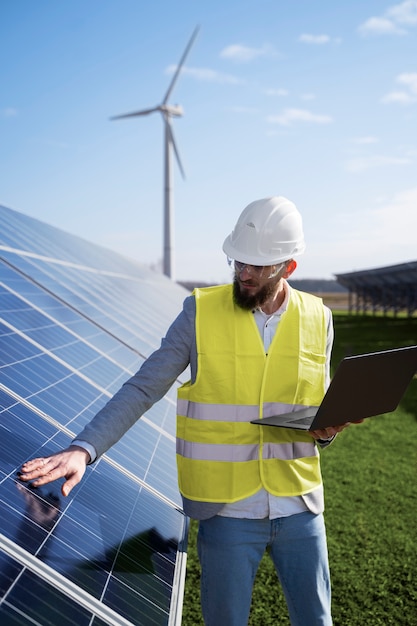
302	420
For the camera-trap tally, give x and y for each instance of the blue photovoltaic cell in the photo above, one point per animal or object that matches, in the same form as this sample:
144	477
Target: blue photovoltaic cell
76	321
134	547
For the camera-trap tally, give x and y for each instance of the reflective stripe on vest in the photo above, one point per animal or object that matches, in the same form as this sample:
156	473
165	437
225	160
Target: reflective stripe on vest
246	452
235	413
221	456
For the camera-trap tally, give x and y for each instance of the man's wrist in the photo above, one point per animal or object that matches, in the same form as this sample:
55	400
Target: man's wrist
86	447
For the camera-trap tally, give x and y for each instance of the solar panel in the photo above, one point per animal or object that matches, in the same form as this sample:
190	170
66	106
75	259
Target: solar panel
76	320
383	288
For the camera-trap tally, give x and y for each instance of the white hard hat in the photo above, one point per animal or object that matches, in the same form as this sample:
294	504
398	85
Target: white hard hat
267	232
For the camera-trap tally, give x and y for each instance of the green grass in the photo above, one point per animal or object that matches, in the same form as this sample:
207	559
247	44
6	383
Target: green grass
370	478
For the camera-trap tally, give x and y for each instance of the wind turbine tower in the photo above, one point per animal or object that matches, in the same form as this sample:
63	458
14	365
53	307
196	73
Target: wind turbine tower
168	111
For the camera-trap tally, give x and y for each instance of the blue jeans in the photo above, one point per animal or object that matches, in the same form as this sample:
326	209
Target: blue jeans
230	551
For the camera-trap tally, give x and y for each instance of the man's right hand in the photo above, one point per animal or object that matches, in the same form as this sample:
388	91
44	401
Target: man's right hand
69	464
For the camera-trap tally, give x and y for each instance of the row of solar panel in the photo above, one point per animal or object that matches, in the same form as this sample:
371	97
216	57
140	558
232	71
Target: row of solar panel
75	322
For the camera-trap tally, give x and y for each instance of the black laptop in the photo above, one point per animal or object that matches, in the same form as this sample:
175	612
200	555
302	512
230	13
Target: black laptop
362	386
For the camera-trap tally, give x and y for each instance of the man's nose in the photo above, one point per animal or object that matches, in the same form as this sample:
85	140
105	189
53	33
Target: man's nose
245	272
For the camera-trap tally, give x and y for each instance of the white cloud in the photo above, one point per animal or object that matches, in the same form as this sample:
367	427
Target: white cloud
318	40
8	112
397	220
394	21
243	54
379	236
404	13
290	116
277	92
380	26
361	164
207	75
403	97
400	97
314	39
364	140
245	110
56	144
410	80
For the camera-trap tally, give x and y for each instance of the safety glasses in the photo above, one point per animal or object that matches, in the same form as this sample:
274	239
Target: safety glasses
263	272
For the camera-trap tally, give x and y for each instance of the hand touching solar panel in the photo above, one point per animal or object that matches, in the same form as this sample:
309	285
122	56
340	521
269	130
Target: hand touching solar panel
69	464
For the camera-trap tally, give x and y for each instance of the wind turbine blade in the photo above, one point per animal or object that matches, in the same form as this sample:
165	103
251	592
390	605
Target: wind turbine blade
135	114
179	66
174	145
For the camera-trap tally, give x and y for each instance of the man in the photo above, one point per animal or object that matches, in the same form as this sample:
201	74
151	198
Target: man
255	348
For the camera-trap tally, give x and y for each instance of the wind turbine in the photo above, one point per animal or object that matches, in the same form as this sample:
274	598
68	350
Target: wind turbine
168	111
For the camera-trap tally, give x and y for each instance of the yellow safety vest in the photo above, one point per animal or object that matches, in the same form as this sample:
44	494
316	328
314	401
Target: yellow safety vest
221	456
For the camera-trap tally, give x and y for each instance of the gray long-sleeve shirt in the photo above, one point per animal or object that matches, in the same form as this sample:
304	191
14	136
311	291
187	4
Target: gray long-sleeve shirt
156	376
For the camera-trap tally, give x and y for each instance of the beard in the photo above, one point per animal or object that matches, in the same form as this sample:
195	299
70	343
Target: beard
249	301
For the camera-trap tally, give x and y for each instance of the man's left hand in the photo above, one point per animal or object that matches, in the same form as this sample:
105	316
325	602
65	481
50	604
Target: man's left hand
331	431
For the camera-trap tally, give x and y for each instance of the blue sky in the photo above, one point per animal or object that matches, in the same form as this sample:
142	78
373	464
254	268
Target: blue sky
315	101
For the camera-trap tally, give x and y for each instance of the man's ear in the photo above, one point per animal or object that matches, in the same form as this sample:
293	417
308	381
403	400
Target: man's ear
291	267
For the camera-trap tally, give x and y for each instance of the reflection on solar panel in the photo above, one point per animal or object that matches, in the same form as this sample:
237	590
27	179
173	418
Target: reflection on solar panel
77	320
